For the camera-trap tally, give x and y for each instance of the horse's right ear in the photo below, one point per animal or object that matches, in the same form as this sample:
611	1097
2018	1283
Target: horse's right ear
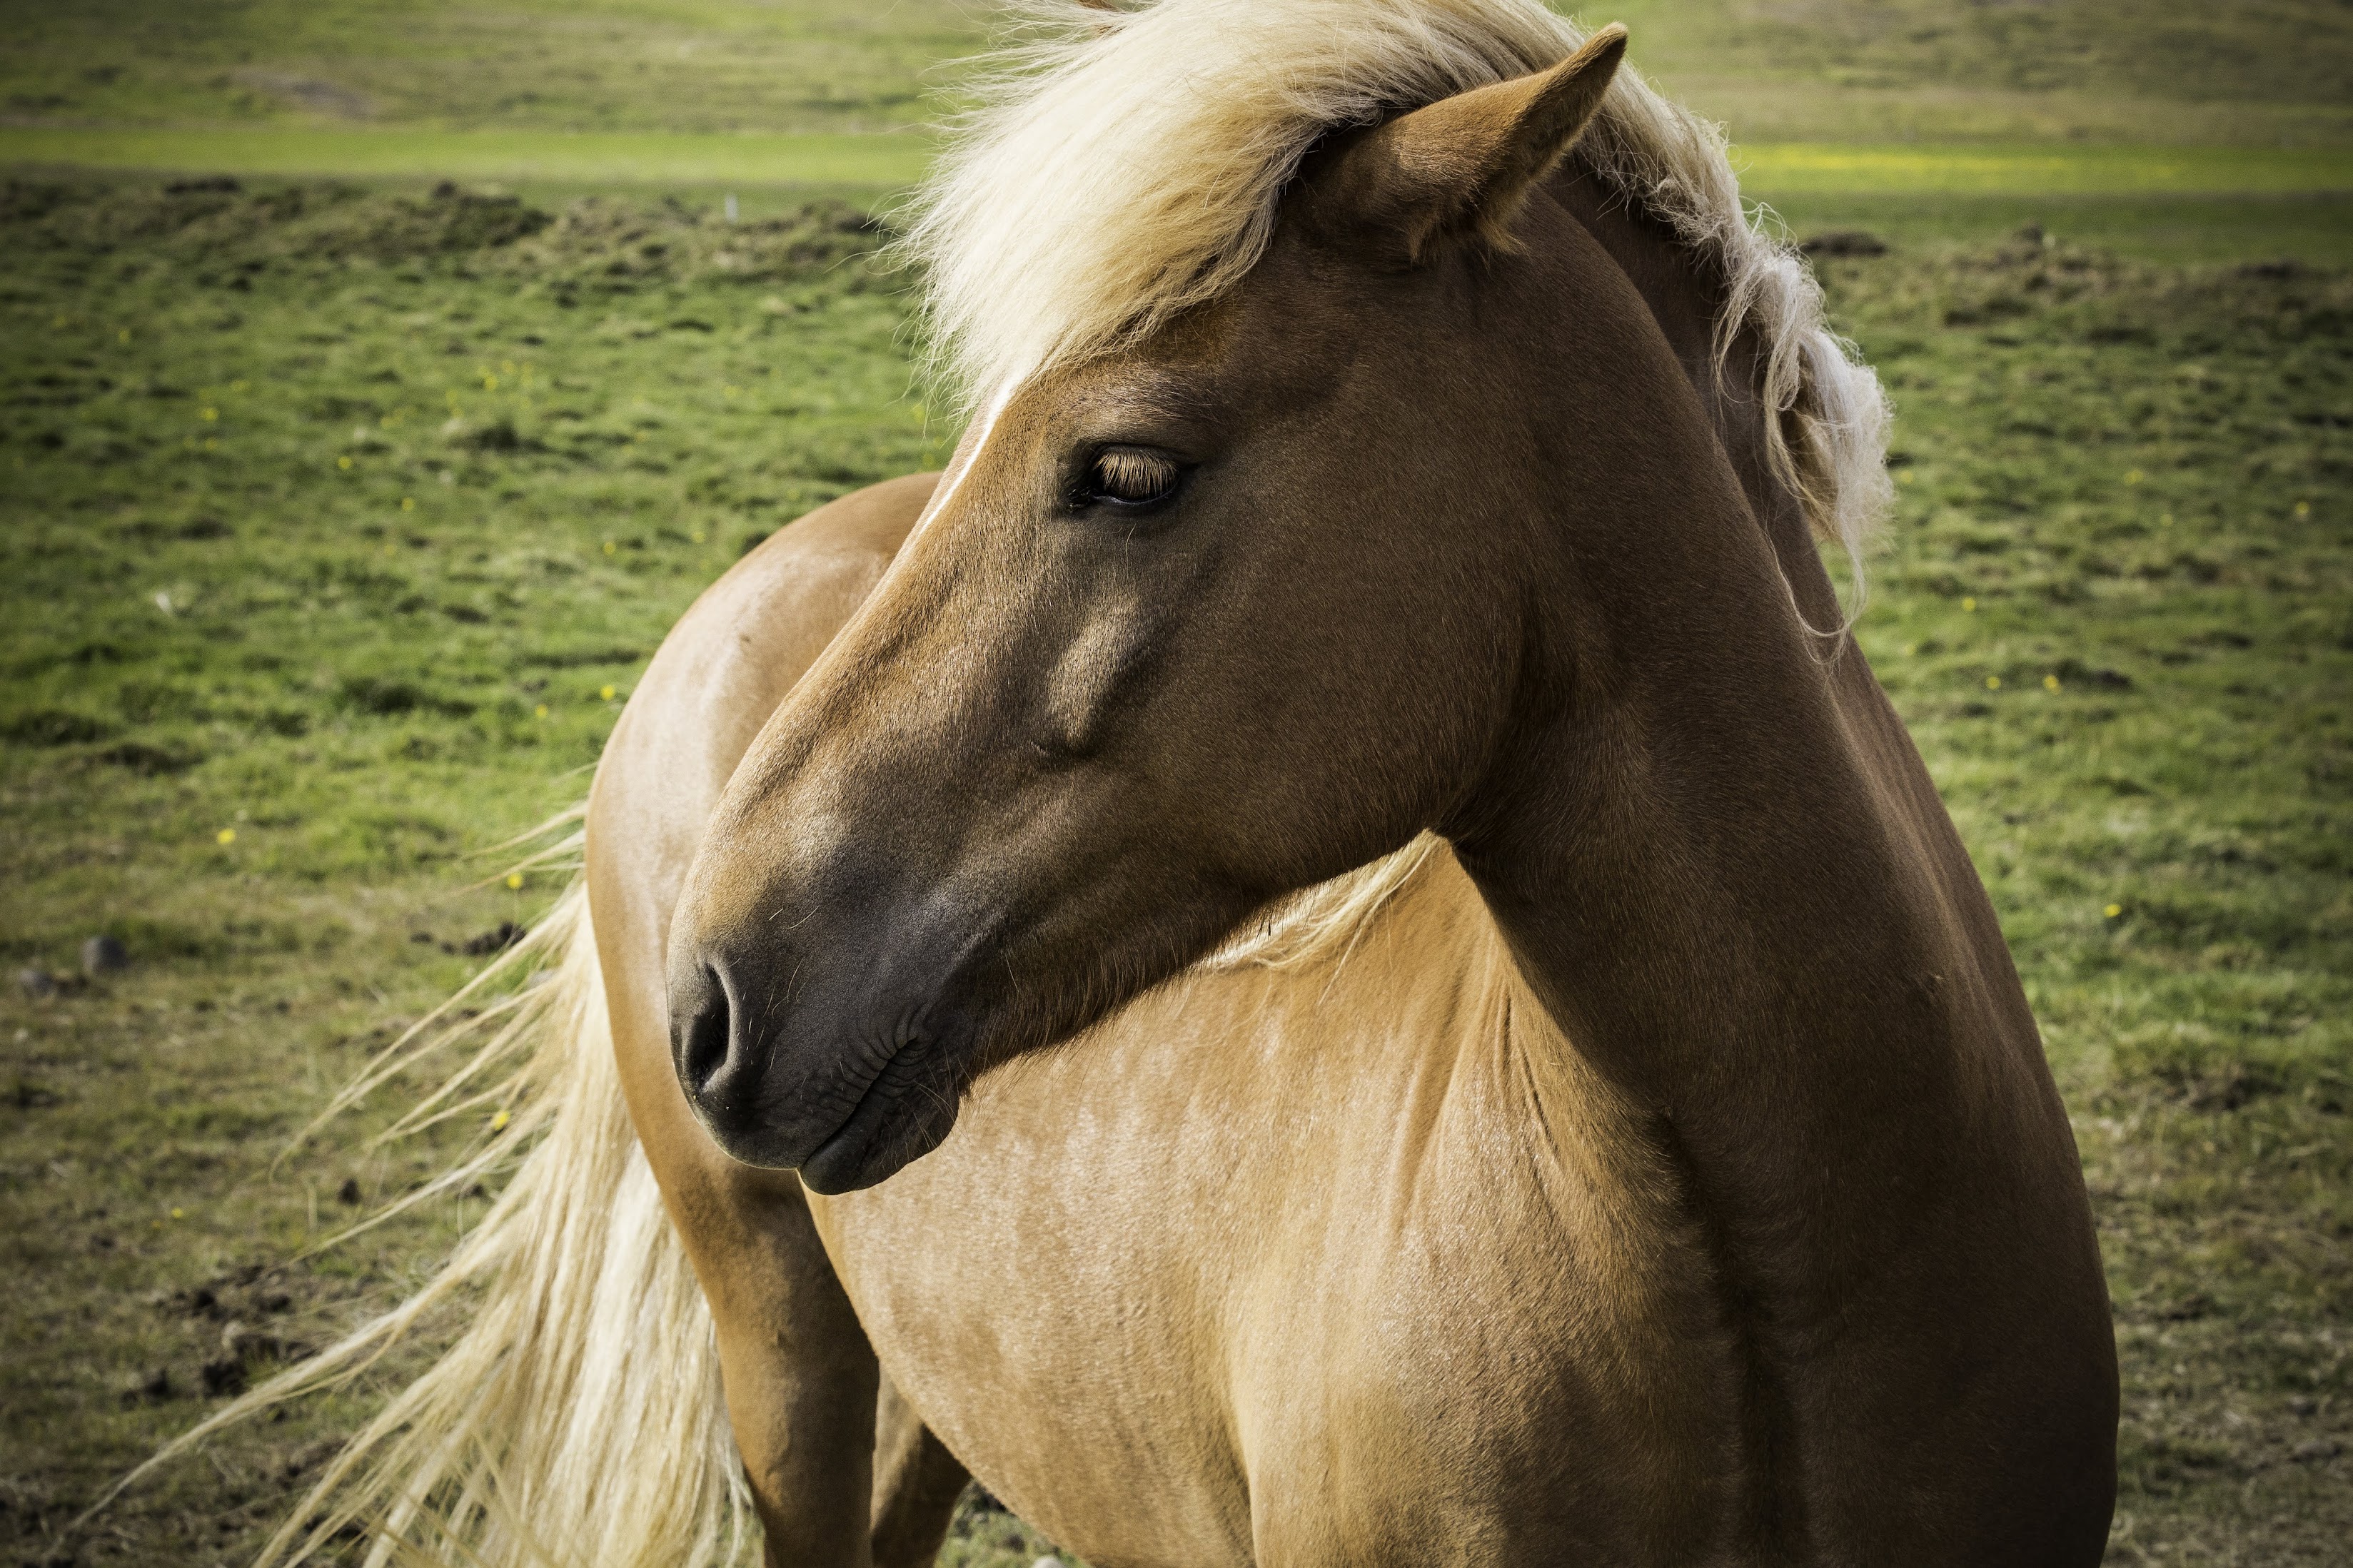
1461	165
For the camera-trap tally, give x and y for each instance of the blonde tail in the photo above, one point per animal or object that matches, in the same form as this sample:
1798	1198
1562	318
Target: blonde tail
578	1419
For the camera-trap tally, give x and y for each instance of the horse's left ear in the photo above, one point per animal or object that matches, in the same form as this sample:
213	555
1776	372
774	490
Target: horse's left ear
1463	164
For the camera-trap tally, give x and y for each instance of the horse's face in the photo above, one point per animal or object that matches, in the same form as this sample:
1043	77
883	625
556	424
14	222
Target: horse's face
1184	630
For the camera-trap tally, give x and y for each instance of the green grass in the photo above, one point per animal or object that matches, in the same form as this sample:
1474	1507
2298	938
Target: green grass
546	65
1979	170
364	677
2185	51
715	160
2210	230
604	159
2132	479
2184	71
1855	71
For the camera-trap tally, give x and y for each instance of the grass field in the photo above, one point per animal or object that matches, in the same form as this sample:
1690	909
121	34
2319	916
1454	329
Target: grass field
337	518
568	65
2184	71
648	160
669	160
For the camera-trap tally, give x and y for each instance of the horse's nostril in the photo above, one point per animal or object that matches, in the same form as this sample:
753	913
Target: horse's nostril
703	1036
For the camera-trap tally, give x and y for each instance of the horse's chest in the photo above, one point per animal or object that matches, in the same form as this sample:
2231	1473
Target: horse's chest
1171	1330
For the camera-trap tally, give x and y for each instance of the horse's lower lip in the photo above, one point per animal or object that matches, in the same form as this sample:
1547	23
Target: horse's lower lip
836	1164
833	1166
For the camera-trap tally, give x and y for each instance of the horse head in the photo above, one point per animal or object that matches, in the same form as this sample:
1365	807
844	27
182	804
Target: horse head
1188	626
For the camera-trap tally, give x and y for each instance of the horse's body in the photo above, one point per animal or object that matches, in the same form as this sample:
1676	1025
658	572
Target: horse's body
1665	1170
1359	1260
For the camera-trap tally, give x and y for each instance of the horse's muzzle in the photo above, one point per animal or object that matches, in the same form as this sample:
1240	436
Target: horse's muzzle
822	1088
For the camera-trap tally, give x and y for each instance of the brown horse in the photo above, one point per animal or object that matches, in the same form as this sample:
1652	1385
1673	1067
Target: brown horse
1326	953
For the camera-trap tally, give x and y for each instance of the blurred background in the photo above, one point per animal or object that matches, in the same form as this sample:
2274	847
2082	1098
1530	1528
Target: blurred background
384	376
1990	101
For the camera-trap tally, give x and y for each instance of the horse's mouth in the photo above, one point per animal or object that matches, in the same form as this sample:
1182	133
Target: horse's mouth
901	1116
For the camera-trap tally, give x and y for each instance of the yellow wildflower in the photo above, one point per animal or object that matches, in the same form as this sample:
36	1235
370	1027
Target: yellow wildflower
610	547
2050	683
1970	606
408	503
226	835
539	711
1993	683
605	693
499	1122
514	881
344	462
2113	910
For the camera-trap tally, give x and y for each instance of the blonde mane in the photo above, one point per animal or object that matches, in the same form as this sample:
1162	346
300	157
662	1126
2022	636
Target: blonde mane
1127	162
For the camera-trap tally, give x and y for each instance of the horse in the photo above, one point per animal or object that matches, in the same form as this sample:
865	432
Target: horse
1324	951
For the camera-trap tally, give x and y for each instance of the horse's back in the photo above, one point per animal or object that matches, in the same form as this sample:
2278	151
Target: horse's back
716	678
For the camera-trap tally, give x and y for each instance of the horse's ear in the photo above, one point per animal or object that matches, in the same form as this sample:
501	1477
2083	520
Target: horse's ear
1463	164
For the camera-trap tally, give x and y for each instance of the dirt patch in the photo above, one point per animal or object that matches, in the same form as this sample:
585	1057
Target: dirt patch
593	244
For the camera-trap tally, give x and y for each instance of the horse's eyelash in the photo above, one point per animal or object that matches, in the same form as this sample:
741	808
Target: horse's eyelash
1126	473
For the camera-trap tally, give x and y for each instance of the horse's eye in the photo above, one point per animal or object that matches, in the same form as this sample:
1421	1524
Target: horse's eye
1131	476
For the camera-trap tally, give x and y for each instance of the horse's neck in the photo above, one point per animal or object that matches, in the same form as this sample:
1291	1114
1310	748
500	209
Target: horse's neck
1686	300
1714	855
